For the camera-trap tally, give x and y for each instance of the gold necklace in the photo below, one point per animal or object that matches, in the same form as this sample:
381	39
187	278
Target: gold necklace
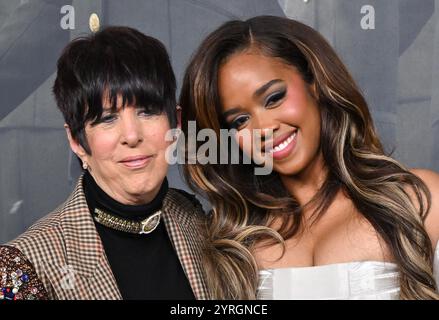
131	226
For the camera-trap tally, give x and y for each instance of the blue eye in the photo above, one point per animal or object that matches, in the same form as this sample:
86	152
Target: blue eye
275	98
238	122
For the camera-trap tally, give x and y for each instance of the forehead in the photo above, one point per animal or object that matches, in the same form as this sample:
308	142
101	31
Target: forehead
251	64
243	73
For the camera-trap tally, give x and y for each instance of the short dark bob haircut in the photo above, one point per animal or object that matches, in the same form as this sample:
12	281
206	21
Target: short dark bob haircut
116	61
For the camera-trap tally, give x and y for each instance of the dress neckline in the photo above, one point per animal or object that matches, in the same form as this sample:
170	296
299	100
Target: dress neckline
332	265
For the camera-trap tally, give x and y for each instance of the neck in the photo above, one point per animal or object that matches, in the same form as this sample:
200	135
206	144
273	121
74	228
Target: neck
98	198
118	193
304	185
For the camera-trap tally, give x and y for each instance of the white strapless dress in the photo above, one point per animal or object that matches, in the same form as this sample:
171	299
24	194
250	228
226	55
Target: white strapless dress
352	280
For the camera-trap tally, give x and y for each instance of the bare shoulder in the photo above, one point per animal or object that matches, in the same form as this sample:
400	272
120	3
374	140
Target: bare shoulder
431	180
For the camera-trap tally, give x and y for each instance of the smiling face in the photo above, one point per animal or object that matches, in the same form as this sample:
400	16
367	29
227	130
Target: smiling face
127	157
260	92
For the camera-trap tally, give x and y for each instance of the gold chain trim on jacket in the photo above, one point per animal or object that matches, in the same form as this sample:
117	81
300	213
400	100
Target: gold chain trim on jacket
138	227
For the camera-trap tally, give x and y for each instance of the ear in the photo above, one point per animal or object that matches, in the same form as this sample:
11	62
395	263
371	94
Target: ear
178	112
74	144
313	90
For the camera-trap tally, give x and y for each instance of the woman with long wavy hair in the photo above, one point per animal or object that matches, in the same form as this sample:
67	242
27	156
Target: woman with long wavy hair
337	217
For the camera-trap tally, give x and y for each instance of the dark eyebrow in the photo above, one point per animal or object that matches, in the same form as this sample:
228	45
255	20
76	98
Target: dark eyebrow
265	87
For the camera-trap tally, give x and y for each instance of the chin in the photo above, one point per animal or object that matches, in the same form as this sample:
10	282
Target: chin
139	194
288	168
285	172
141	187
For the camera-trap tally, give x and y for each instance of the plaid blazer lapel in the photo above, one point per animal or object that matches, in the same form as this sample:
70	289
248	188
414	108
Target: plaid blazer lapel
71	258
184	226
85	255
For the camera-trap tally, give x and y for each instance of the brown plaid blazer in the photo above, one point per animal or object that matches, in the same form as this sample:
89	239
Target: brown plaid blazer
69	259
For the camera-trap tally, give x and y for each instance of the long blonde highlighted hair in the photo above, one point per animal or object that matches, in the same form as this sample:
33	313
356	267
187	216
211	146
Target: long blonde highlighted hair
244	204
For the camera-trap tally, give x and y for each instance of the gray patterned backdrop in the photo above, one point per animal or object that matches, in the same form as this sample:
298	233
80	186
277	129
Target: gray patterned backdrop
391	48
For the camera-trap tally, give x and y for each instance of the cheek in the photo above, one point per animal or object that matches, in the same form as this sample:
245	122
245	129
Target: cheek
311	130
102	145
313	121
301	110
155	133
244	140
295	109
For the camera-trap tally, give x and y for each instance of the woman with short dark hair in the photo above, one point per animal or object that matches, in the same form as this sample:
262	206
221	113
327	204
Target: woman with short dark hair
122	233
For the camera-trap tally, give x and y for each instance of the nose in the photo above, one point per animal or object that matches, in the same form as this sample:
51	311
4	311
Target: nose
266	122
131	134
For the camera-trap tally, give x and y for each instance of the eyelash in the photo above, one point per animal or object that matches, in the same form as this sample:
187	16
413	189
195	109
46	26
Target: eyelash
234	124
274	98
143	112
108	119
270	101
